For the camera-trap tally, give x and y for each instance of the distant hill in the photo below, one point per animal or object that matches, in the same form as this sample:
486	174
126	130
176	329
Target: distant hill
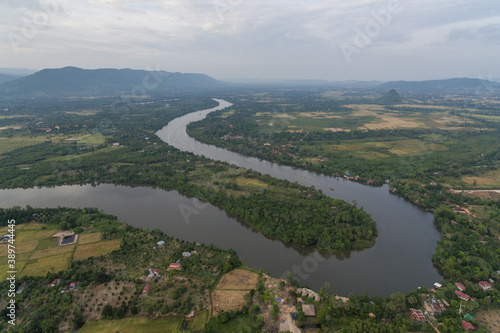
391	98
73	81
441	85
7	78
17	71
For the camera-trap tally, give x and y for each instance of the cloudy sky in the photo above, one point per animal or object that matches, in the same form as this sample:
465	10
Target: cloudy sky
269	39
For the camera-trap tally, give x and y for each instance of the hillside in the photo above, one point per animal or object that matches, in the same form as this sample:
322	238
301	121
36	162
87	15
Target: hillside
72	81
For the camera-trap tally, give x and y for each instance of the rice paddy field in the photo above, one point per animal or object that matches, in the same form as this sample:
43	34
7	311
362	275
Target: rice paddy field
38	252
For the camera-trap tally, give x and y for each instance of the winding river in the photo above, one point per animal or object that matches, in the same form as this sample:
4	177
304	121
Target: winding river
399	261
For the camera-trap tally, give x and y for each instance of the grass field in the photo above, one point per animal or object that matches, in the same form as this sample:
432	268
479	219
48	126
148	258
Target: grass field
134	325
29	235
489	179
33	226
198	322
47	243
41	266
10	144
96	249
249	182
52	251
89	238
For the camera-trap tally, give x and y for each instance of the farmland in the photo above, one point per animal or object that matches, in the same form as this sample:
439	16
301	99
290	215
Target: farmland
230	291
38	252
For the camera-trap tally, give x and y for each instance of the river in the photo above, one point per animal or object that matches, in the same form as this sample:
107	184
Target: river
399	261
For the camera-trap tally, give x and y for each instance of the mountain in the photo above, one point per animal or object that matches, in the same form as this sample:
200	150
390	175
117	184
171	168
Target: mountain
441	85
391	98
7	78
73	81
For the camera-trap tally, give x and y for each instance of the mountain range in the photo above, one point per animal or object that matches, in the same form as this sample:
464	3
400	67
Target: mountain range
73	81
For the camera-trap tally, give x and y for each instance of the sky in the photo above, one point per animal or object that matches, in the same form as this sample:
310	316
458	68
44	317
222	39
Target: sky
269	39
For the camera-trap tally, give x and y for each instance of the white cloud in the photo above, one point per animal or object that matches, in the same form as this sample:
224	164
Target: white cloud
258	39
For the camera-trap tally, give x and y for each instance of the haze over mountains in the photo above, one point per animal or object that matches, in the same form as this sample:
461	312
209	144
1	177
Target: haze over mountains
73	81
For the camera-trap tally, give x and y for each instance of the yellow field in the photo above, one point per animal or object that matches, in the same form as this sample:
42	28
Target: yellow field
134	325
3	271
83	113
19	258
227	300
319	115
52	251
250	182
96	249
41	266
22	247
240	279
89	238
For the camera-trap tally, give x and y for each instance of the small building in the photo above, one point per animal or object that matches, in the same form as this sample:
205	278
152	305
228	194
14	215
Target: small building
160	243
461	295
174	266
417	315
186	254
153	273
145	290
73	285
309	310
484	285
54	283
436	308
21	288
437	285
467	326
468	317
460	286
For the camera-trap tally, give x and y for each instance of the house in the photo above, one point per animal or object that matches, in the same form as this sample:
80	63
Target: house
468	326
460	286
145	290
461	295
484	285
73	285
186	254
160	243
174	266
417	315
153	273
54	283
436	308
438	285
309	310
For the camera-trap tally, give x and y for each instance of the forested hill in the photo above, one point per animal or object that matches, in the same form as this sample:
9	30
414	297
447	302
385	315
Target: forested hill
73	81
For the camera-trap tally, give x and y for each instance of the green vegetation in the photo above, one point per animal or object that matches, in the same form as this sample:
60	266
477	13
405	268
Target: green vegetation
128	152
110	286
